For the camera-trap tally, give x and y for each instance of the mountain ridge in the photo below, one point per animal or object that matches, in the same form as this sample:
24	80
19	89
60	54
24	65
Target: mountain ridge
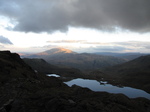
55	51
82	61
128	56
135	73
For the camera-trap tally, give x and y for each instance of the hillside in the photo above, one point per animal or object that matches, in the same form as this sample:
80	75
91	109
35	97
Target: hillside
82	61
23	90
42	66
134	73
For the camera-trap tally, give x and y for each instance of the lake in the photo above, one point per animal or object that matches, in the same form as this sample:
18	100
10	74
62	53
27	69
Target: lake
103	86
54	75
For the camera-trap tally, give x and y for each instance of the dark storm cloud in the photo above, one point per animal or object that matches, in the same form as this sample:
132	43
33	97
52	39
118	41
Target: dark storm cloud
4	40
53	15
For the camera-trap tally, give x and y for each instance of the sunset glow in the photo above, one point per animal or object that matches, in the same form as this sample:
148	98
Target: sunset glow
70	28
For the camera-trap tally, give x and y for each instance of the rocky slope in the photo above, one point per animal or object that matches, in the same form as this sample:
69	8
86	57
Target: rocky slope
23	90
42	66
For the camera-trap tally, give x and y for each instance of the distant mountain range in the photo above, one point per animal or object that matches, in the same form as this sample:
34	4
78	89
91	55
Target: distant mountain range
127	56
83	61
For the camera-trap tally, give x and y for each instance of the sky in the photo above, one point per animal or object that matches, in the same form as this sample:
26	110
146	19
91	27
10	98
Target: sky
80	25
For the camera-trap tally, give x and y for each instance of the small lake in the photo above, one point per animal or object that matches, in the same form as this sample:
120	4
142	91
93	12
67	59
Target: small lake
53	75
103	86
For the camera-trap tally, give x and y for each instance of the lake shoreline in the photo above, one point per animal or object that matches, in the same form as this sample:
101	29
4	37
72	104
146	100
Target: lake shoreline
105	83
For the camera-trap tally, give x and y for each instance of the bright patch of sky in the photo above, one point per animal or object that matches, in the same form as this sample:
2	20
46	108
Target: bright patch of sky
75	38
80	25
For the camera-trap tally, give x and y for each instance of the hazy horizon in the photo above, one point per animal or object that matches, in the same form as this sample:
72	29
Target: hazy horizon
78	51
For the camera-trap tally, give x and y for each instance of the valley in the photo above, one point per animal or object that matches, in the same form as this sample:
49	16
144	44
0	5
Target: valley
83	61
75	56
24	85
117	71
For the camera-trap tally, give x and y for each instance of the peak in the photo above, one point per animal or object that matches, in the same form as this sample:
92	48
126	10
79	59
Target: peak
61	50
56	51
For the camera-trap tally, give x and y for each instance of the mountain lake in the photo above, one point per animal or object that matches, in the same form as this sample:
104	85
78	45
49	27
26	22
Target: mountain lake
100	86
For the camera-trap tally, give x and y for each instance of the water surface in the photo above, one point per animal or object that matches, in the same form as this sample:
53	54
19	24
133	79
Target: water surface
103	86
54	75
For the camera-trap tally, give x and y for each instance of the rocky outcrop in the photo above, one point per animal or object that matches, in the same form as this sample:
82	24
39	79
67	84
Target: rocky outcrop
23	90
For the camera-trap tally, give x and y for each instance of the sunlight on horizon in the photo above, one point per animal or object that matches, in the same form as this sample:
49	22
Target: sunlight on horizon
75	39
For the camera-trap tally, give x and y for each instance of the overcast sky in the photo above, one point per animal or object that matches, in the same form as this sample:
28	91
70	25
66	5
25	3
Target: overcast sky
81	25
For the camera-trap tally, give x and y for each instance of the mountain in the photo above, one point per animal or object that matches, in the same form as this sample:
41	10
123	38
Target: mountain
126	56
50	53
12	66
23	90
134	73
82	61
42	66
56	51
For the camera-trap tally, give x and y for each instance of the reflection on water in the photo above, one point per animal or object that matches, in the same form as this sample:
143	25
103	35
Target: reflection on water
103	86
54	75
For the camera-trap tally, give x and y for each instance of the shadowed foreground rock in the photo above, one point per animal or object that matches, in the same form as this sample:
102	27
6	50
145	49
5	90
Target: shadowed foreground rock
23	90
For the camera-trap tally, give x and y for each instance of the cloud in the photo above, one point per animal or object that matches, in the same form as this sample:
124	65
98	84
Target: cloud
1	46
129	46
5	40
85	46
134	44
111	49
67	41
58	15
91	49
